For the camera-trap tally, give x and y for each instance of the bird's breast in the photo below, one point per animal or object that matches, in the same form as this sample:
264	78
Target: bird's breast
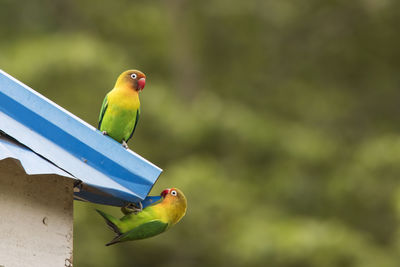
124	99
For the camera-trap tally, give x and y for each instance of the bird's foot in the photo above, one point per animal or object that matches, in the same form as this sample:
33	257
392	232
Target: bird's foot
132	208
104	132
78	184
124	144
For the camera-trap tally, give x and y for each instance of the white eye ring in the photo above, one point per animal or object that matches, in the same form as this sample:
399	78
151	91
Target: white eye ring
173	192
133	76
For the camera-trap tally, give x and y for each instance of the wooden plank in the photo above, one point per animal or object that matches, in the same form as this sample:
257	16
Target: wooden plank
36	218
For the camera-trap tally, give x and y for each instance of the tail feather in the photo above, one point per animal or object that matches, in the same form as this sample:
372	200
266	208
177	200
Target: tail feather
111	221
114	241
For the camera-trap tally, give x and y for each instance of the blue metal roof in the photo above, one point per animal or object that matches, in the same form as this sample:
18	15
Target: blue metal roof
55	141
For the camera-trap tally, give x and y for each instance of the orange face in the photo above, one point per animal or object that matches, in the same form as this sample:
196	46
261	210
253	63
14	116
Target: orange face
173	195
170	191
136	78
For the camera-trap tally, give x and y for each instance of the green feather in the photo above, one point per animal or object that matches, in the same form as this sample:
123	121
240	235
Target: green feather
118	118
136	122
134	226
111	221
142	231
103	111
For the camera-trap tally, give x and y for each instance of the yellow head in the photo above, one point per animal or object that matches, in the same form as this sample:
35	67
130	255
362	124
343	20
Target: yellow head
132	79
175	200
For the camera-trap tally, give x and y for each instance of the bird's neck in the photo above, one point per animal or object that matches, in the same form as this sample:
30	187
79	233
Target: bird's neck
171	211
127	90
125	97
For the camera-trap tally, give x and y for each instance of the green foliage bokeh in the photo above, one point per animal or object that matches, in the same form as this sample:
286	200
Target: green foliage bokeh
278	119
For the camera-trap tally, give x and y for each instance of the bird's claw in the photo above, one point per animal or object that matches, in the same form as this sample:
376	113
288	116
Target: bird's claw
132	208
104	132
124	144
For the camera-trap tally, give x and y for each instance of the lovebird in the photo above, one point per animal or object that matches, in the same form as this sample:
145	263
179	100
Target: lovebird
120	111
151	221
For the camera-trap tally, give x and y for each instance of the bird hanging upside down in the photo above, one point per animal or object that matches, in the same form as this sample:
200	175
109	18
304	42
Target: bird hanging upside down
151	221
120	111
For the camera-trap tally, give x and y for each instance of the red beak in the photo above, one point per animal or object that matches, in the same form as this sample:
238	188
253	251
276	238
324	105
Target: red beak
165	192
141	83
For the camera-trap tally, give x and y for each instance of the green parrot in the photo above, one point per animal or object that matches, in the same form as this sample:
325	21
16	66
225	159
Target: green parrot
151	221
120	111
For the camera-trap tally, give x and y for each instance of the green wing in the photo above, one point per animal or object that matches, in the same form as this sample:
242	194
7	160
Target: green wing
145	230
103	110
136	122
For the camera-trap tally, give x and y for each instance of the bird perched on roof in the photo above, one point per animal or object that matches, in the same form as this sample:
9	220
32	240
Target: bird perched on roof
151	221
120	111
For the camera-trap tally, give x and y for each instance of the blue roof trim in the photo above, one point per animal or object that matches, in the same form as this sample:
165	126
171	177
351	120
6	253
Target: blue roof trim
72	144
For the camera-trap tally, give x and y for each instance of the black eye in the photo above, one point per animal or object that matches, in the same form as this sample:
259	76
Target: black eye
173	192
133	76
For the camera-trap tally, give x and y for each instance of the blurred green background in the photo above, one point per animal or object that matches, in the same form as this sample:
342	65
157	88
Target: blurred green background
278	119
